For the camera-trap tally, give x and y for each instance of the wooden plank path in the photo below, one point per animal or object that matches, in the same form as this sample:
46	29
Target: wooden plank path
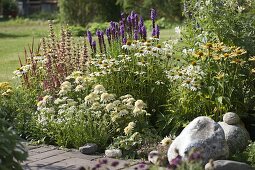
52	158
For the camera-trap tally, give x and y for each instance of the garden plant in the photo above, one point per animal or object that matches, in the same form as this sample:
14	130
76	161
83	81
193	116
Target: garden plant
122	87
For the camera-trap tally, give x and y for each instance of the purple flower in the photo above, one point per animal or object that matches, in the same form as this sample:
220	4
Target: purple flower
153	14
176	161
141	165
124	40
100	41
122	30
153	17
129	19
144	32
195	156
108	34
94	46
89	37
153	34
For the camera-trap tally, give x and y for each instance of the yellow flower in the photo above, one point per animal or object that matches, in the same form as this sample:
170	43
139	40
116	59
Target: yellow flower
220	76
216	57
5	86
129	129
166	141
237	61
253	70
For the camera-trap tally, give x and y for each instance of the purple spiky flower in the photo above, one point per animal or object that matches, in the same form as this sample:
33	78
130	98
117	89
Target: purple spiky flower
153	17
108	34
124	40
89	38
94	46
144	32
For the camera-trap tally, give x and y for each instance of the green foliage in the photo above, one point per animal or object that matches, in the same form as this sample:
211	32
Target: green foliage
94	26
231	21
82	12
16	107
12	152
10	8
247	156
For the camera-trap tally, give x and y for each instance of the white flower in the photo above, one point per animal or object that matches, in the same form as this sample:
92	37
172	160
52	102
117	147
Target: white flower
166	141
116	103
91	98
95	106
109	107
99	89
127	47
106	97
58	101
79	88
138	111
79	80
139	104
126	96
123	112
178	30
47	98
128	130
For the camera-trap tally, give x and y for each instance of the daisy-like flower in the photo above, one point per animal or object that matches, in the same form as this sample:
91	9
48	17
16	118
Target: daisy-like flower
79	80
98	89
253	70
238	61
123	112
128	130
106	97
142	63
127	46
91	98
58	101
95	106
139	104
166	141
126	96
138	111
109	107
252	58
79	88
116	102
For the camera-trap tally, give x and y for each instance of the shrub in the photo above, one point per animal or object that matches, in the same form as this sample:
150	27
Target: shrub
231	21
12	152
10	8
17	106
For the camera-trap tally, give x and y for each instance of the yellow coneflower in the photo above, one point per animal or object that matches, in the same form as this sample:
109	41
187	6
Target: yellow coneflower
216	57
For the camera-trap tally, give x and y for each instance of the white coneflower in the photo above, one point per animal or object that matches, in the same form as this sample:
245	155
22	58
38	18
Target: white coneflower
166	141
79	80
91	98
139	104
109	107
129	129
123	112
99	89
79	88
58	101
106	97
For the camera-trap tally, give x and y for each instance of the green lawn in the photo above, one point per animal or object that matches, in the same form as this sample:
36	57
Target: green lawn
16	35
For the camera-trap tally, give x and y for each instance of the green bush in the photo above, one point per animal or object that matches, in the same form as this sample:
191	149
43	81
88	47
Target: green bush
232	21
10	8
12	152
17	106
94	26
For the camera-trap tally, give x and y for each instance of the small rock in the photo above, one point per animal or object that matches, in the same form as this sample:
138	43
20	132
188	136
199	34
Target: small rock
89	148
236	136
227	165
231	118
153	157
202	134
113	153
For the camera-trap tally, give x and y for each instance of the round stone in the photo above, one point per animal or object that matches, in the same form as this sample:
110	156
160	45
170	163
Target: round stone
231	118
113	153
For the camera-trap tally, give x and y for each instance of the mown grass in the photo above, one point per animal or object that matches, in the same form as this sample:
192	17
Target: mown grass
17	34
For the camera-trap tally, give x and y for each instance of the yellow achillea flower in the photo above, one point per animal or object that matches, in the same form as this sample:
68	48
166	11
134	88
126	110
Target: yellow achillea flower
5	86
